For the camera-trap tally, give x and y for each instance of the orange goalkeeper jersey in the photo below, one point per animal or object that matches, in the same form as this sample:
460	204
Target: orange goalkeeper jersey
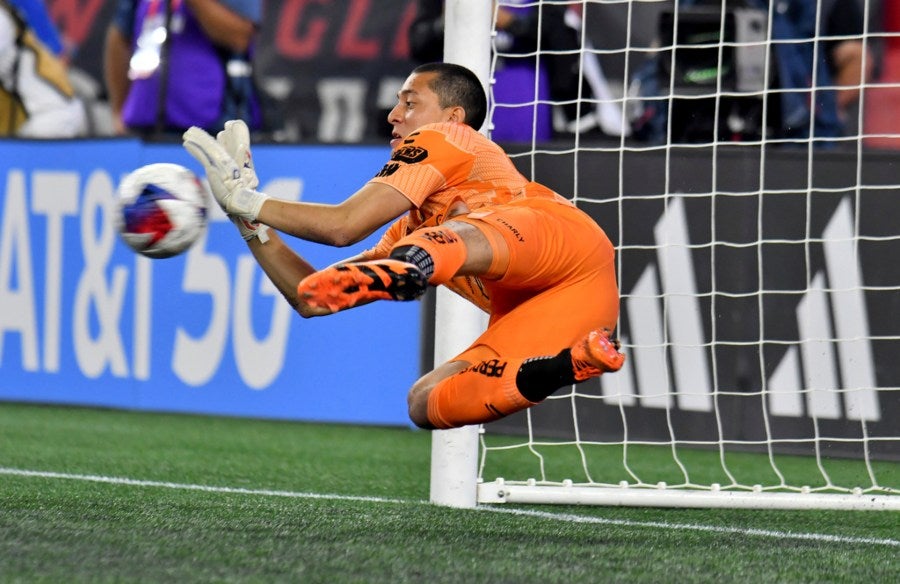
440	164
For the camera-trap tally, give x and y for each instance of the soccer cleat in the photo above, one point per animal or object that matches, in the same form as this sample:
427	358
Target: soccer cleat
346	285
595	354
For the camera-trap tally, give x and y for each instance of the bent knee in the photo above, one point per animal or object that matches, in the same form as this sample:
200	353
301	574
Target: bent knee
417	400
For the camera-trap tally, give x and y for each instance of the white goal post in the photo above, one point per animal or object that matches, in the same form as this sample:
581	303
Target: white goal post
454	453
756	267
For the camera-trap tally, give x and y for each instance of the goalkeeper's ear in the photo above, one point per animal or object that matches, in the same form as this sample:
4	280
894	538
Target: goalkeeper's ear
457	114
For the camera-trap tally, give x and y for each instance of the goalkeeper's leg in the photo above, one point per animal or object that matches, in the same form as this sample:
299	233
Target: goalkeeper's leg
355	283
489	387
430	255
553	306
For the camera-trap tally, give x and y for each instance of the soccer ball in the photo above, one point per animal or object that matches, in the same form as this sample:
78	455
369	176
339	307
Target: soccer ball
162	210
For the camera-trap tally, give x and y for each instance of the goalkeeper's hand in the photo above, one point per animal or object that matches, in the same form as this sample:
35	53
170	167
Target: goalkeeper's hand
224	176
235	138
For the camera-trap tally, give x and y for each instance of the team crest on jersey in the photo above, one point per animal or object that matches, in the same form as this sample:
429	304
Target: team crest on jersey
410	154
388	169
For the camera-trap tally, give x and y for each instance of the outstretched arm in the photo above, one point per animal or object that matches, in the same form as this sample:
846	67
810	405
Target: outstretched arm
337	225
285	268
370	208
232	178
232	181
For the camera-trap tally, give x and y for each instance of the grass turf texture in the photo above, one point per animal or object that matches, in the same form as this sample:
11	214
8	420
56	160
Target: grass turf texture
62	529
603	463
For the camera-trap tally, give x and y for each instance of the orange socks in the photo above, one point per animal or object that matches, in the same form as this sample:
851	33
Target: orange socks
494	388
484	392
440	253
437	251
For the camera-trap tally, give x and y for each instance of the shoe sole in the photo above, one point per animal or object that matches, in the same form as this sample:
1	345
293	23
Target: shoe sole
345	286
603	351
600	354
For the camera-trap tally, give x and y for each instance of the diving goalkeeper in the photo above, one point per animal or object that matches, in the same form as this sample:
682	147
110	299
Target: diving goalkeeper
461	216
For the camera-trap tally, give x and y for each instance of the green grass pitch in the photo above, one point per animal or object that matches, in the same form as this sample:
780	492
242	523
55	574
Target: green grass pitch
92	495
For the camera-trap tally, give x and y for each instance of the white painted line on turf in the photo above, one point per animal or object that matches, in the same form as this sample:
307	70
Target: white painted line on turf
190	487
567	517
823	537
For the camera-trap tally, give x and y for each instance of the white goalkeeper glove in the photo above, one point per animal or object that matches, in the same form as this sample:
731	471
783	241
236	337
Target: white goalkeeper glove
224	176
235	138
250	229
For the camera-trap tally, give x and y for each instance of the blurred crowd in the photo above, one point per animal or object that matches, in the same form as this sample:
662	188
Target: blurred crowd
164	65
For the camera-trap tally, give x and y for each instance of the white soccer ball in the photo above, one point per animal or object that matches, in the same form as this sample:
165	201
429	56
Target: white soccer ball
162	209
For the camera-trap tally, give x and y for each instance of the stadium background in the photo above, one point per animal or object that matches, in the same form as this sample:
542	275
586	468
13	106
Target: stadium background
332	69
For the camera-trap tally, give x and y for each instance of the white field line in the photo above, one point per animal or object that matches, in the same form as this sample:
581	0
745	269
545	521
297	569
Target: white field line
566	517
822	537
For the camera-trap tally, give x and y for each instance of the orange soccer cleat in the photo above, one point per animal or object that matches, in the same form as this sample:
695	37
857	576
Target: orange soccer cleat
595	354
346	285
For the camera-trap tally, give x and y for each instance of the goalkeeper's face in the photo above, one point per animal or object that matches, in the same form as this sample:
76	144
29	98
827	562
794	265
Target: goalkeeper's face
417	105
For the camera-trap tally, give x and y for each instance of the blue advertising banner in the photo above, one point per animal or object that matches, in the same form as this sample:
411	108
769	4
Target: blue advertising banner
84	320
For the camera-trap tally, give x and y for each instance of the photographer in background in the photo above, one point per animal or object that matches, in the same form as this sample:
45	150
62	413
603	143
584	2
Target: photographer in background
173	64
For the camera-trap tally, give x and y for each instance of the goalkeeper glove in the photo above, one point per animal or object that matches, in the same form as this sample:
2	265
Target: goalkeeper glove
250	229
225	178
235	138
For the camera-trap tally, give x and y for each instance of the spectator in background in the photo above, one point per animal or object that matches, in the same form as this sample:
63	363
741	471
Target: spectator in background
793	66
569	77
37	99
840	64
173	64
847	63
35	12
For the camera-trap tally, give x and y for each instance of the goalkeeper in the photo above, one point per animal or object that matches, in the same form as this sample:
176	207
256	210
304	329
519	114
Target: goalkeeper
461	216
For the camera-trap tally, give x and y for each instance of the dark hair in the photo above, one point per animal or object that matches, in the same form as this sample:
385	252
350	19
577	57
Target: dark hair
457	86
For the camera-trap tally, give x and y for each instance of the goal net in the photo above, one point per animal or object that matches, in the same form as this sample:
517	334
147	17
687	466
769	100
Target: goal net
756	239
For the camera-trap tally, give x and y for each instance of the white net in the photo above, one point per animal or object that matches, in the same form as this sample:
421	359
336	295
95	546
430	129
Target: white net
739	157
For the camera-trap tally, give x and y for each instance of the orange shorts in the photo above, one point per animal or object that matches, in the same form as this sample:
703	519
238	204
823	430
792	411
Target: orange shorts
560	282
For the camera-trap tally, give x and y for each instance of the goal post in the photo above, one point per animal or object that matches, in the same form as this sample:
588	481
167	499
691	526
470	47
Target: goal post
756	271
454	452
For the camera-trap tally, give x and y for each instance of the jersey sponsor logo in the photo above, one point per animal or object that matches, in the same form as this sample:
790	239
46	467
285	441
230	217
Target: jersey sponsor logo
490	368
388	169
512	229
410	154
